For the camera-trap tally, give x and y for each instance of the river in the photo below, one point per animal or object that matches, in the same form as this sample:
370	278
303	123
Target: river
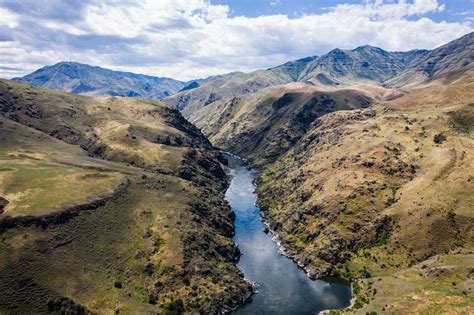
282	287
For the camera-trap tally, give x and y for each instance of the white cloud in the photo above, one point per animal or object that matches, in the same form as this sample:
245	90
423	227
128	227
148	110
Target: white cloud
186	39
8	18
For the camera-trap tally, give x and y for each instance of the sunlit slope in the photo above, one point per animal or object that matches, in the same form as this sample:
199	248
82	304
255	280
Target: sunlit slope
226	87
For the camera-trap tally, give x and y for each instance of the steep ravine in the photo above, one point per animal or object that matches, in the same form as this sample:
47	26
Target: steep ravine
380	196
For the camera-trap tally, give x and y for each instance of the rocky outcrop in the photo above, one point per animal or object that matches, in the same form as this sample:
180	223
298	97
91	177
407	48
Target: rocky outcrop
3	204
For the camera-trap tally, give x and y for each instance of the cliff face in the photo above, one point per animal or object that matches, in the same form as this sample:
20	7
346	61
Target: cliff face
111	205
382	195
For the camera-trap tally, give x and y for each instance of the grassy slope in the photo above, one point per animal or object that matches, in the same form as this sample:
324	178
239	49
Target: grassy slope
35	182
263	125
371	196
162	240
227	87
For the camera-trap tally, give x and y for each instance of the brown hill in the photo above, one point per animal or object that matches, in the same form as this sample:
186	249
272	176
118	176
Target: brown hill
383	196
264	125
110	205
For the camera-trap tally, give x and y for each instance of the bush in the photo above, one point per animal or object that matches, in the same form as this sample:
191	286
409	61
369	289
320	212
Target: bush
149	269
65	306
118	284
173	307
382	238
187	280
439	138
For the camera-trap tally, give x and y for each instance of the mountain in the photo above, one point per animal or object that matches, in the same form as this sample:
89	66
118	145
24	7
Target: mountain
365	170
199	82
225	87
263	123
365	63
382	196
77	78
454	57
110	205
337	69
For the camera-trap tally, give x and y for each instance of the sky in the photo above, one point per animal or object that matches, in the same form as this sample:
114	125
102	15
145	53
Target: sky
188	39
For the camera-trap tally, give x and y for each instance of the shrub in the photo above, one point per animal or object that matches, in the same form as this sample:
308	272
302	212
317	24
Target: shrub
439	138
382	239
151	299
187	280
173	307
149	269
159	242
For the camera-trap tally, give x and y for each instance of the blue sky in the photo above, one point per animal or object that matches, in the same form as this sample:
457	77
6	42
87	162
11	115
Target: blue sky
187	39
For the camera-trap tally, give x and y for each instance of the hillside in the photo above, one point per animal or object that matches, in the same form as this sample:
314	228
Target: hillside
110	205
454	57
337	69
77	78
264	125
382	196
365	63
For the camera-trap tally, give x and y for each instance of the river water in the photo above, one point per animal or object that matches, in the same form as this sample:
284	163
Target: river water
282	287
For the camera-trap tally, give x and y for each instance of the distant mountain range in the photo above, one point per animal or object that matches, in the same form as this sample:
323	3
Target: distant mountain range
83	79
246	115
337	69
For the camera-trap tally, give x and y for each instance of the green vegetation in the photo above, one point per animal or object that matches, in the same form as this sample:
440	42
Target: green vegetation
382	239
439	138
173	307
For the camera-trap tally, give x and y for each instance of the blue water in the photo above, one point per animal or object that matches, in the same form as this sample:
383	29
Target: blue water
282	287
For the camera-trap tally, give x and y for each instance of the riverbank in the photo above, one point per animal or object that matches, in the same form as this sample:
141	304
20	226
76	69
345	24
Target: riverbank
283	287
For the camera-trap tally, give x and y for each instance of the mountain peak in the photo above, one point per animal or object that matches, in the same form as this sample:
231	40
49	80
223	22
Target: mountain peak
79	78
336	51
368	48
